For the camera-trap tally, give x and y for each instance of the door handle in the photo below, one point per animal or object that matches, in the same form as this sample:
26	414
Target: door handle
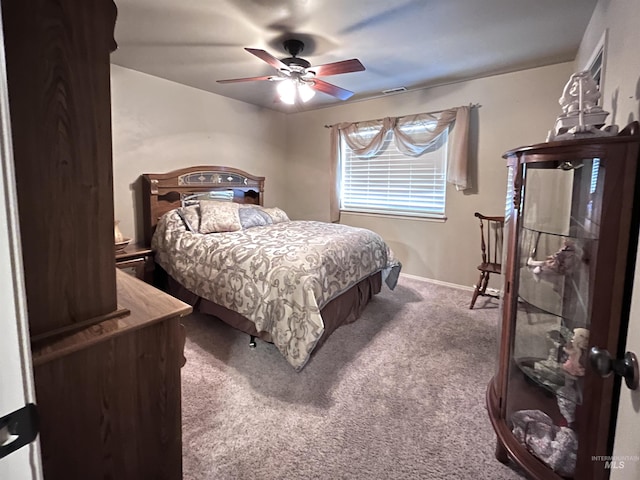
627	367
18	428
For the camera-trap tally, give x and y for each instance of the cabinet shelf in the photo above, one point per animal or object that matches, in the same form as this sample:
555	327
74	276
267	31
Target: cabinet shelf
552	378
579	231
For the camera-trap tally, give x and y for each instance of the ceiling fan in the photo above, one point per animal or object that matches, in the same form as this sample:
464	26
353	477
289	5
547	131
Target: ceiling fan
297	78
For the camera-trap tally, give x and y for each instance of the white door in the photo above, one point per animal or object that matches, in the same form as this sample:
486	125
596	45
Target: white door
625	464
16	375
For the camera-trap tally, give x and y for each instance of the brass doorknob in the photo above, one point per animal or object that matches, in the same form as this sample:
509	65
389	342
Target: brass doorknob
627	367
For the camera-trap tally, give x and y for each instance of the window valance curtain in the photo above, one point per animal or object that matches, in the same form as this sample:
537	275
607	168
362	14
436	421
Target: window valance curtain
413	135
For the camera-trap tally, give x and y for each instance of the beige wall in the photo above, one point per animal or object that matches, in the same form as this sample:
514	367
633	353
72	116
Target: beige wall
620	19
160	126
516	109
621	90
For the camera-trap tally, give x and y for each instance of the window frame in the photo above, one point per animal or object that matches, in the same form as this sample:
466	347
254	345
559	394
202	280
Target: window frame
597	63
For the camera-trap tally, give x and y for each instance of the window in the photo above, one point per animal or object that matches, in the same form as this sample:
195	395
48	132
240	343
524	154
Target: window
393	183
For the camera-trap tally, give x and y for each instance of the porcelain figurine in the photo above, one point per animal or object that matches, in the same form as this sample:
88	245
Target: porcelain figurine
575	349
581	114
580	94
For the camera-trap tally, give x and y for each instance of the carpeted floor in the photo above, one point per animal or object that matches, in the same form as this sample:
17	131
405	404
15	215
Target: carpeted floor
399	394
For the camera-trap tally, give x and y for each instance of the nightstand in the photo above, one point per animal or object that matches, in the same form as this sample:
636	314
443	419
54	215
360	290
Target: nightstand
136	260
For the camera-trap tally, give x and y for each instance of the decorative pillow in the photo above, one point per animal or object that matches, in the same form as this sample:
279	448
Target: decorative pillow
191	217
252	216
219	217
277	215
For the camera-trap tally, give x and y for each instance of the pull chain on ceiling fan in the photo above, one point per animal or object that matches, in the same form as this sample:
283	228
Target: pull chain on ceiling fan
297	78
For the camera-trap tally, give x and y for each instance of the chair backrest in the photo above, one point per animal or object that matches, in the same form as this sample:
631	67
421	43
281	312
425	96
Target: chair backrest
491	236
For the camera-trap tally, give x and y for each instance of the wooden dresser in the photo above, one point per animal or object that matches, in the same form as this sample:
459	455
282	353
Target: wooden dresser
109	394
107	348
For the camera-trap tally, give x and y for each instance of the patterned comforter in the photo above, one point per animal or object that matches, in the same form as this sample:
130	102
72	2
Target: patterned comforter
279	276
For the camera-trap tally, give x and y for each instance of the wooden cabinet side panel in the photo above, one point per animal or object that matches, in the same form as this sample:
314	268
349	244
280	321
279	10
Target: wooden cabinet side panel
113	410
57	55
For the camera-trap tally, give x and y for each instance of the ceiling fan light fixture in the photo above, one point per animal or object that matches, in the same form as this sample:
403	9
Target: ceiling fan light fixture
290	88
287	91
305	91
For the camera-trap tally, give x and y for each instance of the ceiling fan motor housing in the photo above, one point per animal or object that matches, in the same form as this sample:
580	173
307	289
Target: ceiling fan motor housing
294	47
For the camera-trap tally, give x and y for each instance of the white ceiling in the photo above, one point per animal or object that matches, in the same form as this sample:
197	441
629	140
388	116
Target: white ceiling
408	43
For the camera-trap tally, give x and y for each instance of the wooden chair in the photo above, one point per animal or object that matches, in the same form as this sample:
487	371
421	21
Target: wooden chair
491	229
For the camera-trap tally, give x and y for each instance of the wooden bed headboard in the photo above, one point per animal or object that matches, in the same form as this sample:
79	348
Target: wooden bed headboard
163	192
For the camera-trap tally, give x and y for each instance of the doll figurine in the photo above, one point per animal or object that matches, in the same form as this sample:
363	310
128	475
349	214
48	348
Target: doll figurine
562	262
574	350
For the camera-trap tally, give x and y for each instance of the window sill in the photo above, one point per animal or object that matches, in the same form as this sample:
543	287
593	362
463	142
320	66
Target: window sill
397	216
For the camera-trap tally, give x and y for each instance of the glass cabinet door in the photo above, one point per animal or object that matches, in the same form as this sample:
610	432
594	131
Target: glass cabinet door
559	220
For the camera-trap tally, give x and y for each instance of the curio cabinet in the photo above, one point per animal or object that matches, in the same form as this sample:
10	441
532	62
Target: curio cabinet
571	232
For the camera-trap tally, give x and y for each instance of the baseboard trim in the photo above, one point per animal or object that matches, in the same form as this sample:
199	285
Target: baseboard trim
437	282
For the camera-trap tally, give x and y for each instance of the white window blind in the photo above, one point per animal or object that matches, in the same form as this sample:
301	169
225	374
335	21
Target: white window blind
595	168
508	208
394	183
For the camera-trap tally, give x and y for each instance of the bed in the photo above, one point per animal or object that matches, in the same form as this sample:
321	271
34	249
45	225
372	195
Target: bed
288	282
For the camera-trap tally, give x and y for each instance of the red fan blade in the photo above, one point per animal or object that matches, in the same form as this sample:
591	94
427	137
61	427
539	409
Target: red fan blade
330	89
248	79
336	68
267	57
